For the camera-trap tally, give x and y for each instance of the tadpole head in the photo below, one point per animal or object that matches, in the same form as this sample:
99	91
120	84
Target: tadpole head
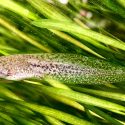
3	71
16	67
9	70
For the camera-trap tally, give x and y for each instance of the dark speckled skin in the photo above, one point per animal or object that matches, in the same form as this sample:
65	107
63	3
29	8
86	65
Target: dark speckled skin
68	68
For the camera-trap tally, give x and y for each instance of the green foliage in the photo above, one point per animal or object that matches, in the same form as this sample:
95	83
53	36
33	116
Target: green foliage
37	26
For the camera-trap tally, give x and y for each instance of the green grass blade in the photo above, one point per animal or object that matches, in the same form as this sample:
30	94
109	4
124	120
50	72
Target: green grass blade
75	42
75	29
56	114
107	94
15	7
22	35
104	115
84	98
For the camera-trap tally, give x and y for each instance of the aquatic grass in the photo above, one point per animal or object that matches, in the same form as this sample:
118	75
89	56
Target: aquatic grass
104	115
114	7
121	2
22	35
73	28
36	26
62	99
75	42
84	98
48	13
15	7
107	94
21	12
57	114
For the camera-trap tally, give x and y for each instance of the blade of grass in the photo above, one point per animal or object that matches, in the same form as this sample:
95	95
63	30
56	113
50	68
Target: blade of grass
56	114
90	116
107	117
59	15
6	117
3	52
62	99
23	35
75	42
48	10
84	98
53	121
112	95
6	92
75	29
114	6
121	2
15	7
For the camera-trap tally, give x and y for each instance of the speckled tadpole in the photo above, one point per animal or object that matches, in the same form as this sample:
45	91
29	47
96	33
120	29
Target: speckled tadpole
68	68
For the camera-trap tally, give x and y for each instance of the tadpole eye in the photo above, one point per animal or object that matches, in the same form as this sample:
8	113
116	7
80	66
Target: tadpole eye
3	73
9	72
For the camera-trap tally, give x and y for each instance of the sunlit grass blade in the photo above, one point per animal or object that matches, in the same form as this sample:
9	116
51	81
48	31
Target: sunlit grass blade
3	52
59	98
48	10
85	98
75	29
107	94
6	117
104	115
114	6
4	92
48	14
56	114
53	121
23	35
121	2
15	7
75	42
